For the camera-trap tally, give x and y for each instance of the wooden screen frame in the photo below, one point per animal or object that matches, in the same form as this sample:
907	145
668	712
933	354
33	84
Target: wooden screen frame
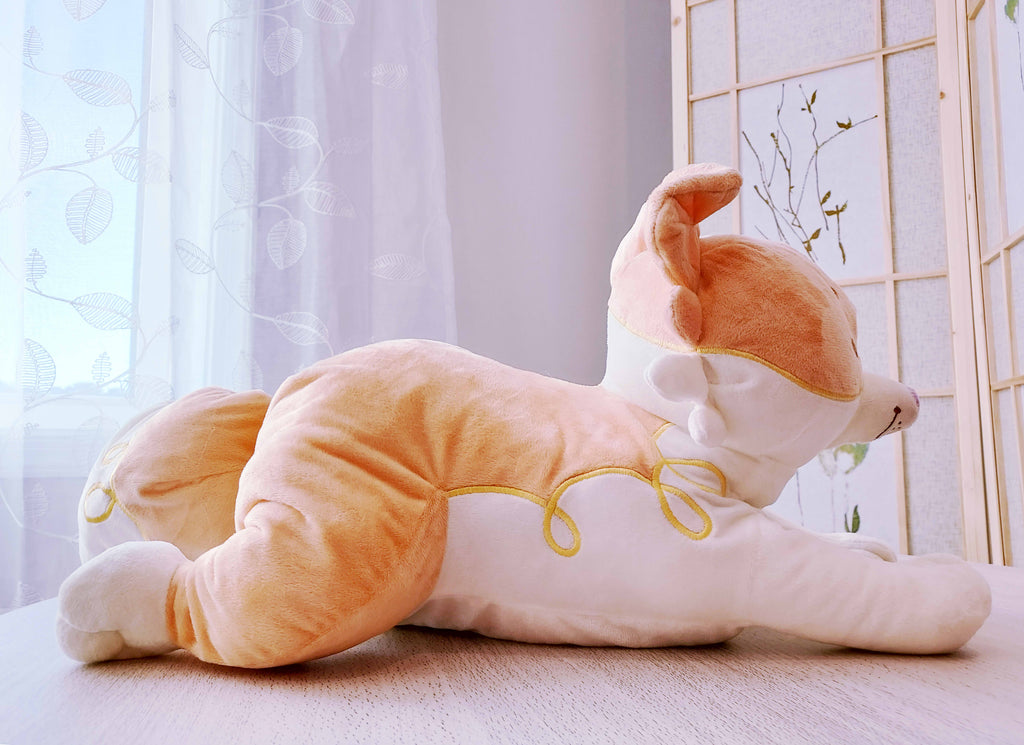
982	512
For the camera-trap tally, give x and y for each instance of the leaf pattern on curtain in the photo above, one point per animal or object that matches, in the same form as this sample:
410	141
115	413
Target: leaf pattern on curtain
260	187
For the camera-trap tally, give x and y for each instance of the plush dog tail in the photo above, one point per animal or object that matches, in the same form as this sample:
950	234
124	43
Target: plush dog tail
171	474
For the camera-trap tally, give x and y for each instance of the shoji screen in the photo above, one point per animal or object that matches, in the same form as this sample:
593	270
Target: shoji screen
832	111
996	43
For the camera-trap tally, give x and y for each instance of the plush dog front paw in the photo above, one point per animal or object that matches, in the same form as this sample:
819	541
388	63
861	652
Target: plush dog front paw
114	606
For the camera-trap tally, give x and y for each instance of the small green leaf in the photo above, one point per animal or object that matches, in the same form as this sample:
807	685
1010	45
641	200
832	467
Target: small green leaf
815	234
827	195
843	208
1011	9
845	125
857	452
856	520
814	96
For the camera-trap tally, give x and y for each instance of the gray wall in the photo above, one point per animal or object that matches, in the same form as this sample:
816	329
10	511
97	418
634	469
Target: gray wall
557	124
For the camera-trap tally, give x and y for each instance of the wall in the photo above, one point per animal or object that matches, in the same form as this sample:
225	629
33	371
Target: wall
557	124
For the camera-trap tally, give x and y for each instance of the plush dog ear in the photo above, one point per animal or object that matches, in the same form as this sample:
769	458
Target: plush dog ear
674	209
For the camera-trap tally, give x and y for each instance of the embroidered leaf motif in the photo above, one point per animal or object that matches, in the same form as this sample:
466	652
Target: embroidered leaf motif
169	326
146	391
389	75
291	180
329	11
26	595
246	292
82	9
88	213
37	372
238	178
286	242
293	131
91	438
282	49
101	368
328	199
191	52
32	143
15	200
105	310
99	88
397	267
247	373
36	504
195	259
94	142
301	328
31	42
35	267
239	6
138	166
242	95
231	221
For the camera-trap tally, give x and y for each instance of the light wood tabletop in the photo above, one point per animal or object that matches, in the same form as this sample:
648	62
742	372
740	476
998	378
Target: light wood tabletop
419	686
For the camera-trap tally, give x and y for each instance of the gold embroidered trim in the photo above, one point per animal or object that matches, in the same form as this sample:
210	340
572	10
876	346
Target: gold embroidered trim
111	501
816	390
552	510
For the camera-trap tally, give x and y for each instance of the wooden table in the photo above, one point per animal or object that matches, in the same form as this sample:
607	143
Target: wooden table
419	686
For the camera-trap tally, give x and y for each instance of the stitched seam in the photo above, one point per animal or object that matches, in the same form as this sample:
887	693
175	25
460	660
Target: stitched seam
816	390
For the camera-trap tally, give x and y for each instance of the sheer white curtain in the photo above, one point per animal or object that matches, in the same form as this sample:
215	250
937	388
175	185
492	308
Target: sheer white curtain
198	193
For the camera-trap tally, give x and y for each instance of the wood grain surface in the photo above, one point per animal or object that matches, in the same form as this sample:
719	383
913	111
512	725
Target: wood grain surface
419	686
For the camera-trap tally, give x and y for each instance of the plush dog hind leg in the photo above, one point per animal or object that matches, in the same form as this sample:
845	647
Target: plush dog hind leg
818	590
331	549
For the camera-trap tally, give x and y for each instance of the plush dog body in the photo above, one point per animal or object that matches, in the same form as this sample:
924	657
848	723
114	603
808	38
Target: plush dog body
416	482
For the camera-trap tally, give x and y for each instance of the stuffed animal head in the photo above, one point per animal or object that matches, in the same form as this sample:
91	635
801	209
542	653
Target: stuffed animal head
745	343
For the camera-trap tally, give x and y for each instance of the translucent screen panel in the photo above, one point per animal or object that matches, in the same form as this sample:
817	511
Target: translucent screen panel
1016	255
985	131
710	47
775	38
853	486
915	161
834	205
907	20
995	316
711	125
934	518
1009	471
872	326
1010	53
925	339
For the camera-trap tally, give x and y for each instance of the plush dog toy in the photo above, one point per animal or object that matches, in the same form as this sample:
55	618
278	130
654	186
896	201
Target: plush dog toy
414	482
